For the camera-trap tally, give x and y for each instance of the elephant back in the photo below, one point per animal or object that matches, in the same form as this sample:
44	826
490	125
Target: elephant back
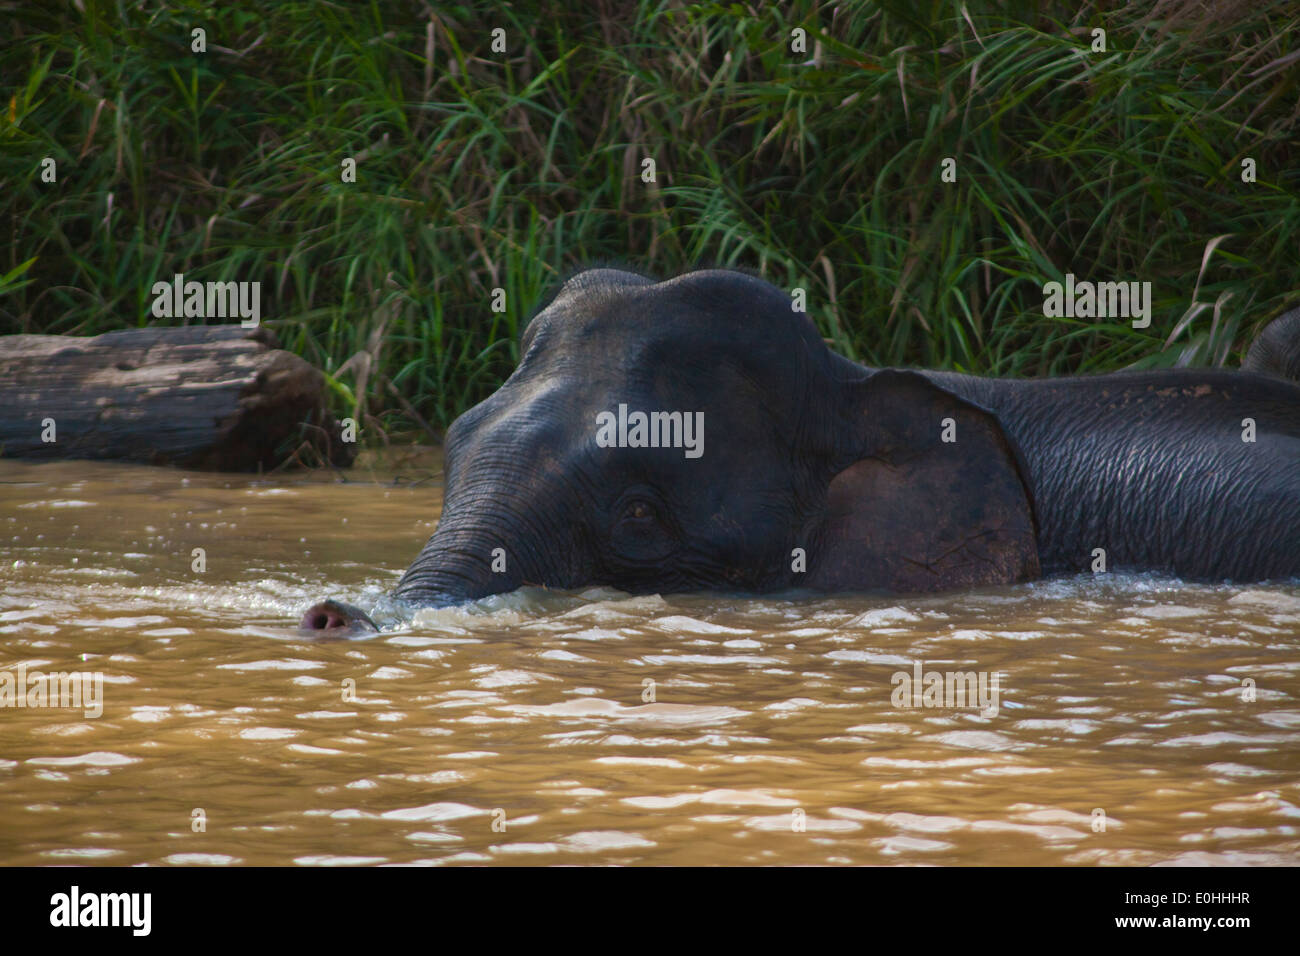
1277	350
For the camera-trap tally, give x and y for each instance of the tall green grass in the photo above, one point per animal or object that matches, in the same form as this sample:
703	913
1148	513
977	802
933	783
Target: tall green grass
480	170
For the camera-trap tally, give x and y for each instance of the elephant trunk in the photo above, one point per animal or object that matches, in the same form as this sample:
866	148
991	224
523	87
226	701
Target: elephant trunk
501	528
459	564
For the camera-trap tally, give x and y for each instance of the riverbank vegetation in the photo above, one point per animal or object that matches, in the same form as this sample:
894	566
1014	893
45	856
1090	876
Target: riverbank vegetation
819	167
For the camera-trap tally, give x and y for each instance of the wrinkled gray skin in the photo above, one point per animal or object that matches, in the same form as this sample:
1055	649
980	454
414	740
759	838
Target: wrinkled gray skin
803	449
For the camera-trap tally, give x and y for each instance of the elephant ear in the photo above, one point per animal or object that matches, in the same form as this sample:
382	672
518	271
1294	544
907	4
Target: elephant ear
913	512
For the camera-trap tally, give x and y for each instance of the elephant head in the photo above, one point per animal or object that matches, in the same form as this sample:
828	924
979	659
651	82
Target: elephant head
696	434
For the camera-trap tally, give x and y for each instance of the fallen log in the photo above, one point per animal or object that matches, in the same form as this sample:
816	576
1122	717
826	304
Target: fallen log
217	398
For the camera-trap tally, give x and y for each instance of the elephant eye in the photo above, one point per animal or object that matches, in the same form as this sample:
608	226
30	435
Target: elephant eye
638	510
640	534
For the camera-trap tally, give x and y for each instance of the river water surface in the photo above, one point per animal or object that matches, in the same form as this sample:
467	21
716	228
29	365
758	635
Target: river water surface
1139	719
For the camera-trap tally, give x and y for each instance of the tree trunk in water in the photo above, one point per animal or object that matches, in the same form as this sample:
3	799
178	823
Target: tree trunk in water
218	398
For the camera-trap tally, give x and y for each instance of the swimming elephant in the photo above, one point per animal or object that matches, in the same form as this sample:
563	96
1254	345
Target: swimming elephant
697	433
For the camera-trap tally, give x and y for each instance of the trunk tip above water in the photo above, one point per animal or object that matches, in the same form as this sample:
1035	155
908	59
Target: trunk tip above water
332	618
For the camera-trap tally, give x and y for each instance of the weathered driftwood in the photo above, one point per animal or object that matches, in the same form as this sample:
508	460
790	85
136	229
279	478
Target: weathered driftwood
221	398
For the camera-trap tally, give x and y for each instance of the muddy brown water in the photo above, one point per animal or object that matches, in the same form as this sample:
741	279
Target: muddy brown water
1138	719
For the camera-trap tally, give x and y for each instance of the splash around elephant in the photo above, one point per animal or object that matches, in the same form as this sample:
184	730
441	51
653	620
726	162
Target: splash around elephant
698	434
